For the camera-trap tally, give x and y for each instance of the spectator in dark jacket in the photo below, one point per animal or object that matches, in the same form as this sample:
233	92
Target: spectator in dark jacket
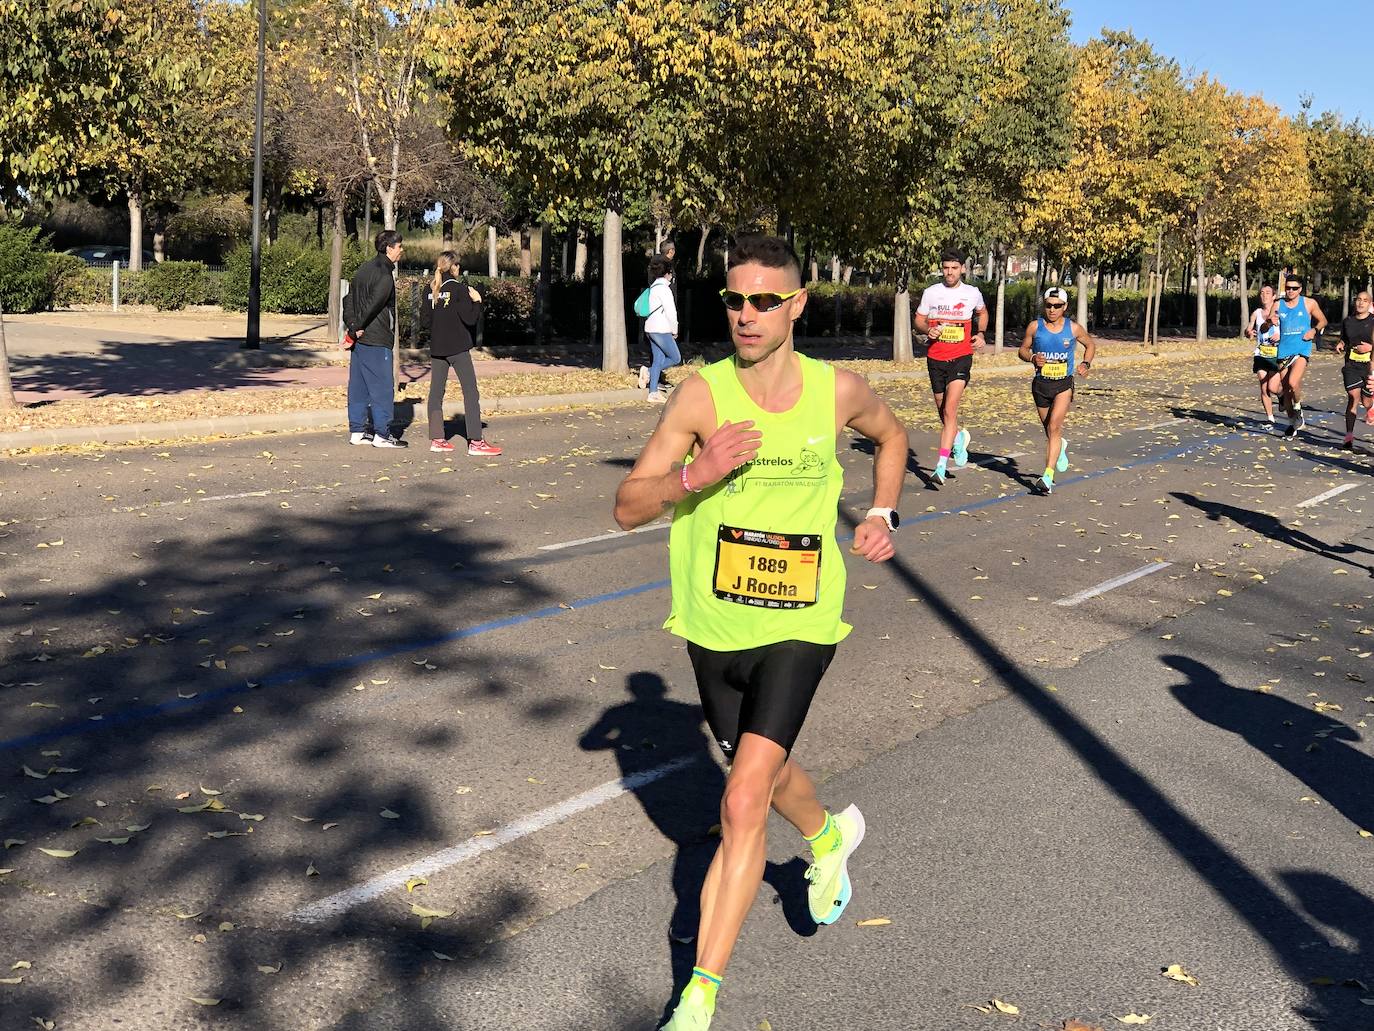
370	316
451	311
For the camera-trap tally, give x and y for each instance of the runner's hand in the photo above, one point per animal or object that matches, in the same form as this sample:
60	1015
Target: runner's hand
1038	360
1311	334
730	447
1340	347
1083	369
873	540
978	341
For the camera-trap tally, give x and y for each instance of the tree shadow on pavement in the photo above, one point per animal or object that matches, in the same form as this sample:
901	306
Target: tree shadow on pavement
1273	528
298	678
1338	462
1286	931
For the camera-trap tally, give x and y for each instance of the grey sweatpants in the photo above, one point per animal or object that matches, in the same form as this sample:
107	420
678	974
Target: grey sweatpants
472	404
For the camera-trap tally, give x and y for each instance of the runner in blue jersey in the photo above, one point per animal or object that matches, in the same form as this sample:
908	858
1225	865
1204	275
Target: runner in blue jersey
1051	345
1300	323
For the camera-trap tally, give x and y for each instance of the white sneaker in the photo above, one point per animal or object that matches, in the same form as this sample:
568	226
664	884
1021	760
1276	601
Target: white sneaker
643	376
388	442
360	438
657	398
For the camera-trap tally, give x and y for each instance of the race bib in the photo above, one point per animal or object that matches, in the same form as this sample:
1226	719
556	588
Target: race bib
1355	356
1268	350
770	570
1054	370
951	333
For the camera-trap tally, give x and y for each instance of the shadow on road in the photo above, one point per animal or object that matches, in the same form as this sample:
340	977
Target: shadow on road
1273	528
1288	934
242	670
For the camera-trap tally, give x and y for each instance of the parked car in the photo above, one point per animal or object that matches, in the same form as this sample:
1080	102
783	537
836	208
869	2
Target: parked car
103	255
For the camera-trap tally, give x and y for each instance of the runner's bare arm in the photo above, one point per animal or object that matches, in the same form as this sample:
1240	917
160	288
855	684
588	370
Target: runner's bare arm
1026	352
922	324
981	316
864	411
656	481
1318	317
1085	338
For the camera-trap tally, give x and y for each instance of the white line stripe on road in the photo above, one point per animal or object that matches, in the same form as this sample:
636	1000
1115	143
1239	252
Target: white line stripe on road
604	537
1327	494
342	902
1155	425
1112	584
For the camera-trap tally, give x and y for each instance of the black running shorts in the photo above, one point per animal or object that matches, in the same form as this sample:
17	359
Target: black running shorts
1264	364
943	373
1356	376
765	691
1046	390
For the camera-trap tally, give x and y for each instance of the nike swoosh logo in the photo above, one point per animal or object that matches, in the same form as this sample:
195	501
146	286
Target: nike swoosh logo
815	440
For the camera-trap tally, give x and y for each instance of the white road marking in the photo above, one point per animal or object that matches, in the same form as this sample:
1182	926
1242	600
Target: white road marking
1327	494
288	491
350	898
991	459
604	537
1155	425
1112	584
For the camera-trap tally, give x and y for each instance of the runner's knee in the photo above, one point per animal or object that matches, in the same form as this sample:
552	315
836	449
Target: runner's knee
745	803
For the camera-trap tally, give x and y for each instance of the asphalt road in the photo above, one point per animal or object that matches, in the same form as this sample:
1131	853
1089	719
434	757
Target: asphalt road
407	662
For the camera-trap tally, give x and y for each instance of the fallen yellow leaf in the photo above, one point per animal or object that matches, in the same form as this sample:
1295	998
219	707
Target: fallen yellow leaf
876	921
1175	972
1005	1007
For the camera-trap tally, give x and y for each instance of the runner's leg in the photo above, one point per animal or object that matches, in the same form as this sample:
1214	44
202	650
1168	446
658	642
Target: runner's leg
1352	411
737	869
949	414
1268	403
1053	421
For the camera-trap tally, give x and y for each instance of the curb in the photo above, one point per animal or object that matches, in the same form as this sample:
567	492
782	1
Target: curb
247	425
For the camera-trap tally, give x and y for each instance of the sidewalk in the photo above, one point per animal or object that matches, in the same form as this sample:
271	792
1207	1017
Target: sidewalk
94	377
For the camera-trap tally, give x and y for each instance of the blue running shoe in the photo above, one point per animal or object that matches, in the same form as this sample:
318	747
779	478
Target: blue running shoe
1063	464
959	452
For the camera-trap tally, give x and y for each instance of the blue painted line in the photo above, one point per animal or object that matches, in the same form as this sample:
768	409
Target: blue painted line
144	712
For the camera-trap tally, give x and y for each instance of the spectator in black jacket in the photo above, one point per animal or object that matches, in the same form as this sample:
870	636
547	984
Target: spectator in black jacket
370	316
451	311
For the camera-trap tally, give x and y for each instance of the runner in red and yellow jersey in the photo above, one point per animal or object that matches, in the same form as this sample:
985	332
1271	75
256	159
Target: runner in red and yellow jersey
947	314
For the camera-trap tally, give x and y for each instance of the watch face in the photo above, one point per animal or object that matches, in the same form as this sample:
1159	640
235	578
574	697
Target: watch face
895	519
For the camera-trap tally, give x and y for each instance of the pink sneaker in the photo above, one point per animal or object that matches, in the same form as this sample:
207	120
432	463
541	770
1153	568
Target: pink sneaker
441	445
481	447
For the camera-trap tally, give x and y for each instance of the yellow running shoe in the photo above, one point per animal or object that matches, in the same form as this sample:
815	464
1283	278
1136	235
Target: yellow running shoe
693	1011
829	874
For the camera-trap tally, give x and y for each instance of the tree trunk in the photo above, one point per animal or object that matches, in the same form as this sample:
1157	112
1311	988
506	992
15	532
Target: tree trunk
999	328
7	399
1159	304
1098	303
367	215
135	230
493	270
1149	311
1082	310
809	264
568	235
1345	299
336	246
834	268
1200	334
526	256
1244	288
542	290
614	346
901	319
847	275
446	223
701	249
580	253
388	199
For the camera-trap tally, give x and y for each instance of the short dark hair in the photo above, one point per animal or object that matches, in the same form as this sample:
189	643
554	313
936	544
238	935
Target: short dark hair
659	266
952	254
768	251
1292	279
387	238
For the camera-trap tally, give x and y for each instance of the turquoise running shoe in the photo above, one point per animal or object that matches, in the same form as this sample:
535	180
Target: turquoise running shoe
959	452
1062	465
1042	486
693	1011
829	875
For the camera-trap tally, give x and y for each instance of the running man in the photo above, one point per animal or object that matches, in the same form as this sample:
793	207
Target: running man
1050	344
1356	343
946	315
1264	331
1300	323
745	455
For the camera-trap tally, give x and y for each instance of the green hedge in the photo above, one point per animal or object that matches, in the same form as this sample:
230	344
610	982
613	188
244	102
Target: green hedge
24	281
295	278
172	285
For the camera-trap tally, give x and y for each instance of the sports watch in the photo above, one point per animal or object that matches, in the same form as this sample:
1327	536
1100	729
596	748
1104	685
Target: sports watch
888	515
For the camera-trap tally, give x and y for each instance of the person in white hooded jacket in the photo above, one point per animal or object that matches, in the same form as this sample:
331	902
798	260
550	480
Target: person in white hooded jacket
660	327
